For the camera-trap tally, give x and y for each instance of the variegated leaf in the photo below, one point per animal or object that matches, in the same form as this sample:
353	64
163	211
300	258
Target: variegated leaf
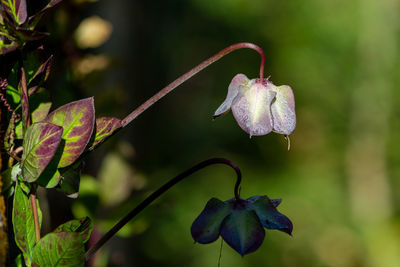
16	9
77	120
40	144
105	126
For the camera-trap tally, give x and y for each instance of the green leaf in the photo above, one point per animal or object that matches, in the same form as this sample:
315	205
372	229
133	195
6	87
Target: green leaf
16	9
51	175
59	249
70	180
7	47
13	94
41	112
37	65
33	20
26	187
40	144
77	119
105	127
39	106
23	224
9	176
82	226
19	261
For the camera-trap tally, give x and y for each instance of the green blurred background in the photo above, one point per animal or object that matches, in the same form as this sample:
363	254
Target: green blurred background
339	182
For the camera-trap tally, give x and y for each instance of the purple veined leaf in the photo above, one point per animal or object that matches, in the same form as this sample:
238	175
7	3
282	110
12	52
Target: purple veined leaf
82	226
40	145
37	115
270	217
59	249
16	9
206	228
77	119
39	69
105	127
33	20
243	231
41	112
6	48
23	225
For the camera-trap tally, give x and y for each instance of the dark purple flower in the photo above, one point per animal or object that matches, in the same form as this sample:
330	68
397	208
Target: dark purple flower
239	222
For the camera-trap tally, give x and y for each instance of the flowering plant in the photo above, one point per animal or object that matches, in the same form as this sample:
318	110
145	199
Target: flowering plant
47	149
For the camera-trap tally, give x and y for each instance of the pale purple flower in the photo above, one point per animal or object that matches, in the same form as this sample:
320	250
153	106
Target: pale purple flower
260	107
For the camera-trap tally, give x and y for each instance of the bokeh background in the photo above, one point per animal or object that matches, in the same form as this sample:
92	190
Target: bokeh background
339	182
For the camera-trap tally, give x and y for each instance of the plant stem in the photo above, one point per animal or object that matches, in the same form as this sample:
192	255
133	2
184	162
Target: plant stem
191	73
27	122
24	99
35	216
92	250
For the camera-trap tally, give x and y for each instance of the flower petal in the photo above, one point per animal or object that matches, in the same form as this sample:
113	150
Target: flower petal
274	202
233	90
252	110
270	217
283	110
243	231
205	229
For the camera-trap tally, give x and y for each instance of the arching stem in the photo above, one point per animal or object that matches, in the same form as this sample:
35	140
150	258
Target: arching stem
159	192
191	73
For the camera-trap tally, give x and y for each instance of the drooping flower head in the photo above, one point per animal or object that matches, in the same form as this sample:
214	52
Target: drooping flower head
240	222
260	107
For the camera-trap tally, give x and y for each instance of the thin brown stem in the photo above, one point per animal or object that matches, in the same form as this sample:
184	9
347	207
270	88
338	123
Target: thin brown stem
14	156
191	73
93	249
18	150
24	99
35	216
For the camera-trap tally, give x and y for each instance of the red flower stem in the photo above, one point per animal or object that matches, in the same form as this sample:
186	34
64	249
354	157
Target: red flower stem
190	74
24	99
35	216
93	249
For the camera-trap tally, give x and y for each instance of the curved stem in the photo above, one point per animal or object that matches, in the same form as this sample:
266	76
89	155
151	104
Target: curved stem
92	250
191	73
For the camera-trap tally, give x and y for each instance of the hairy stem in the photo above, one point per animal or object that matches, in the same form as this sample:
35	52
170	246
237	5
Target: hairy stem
159	192
191	73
